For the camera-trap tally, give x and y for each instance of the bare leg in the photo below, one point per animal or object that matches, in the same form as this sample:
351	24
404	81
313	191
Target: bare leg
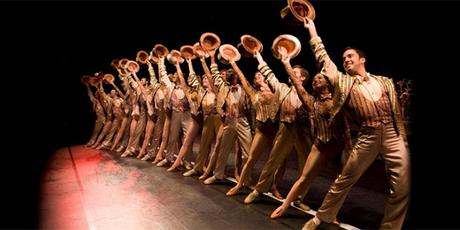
97	128
237	160
214	155
120	132
259	144
148	134
193	132
315	162
132	128
164	140
101	136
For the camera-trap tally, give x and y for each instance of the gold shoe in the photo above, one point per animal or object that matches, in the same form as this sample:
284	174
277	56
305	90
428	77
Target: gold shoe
310	225
120	149
251	197
298	203
146	157
162	163
233	191
190	172
126	154
210	180
187	165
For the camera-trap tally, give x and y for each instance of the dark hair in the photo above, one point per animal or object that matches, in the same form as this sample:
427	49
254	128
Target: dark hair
230	75
360	53
328	82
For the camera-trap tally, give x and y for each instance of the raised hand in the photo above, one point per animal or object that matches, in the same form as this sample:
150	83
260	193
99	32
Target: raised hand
283	54
310	26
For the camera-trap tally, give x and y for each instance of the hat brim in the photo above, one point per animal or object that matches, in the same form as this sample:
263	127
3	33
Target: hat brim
290	42
229	53
296	10
251	44
175	57
209	41
243	51
160	50
187	52
199	51
301	9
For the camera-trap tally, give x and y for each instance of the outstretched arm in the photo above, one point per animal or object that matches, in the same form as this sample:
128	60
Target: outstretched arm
117	89
244	82
153	77
214	73
90	94
328	68
164	76
181	79
208	74
303	94
270	77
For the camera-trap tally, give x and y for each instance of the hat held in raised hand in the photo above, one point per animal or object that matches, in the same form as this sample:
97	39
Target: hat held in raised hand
187	52
175	57
289	42
209	41
229	53
251	44
297	10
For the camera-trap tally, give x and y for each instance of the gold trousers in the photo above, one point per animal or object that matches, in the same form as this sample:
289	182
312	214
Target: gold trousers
369	144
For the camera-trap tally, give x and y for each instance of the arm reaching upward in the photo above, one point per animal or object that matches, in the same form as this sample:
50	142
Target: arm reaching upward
303	94
328	68
208	74
270	77
244	82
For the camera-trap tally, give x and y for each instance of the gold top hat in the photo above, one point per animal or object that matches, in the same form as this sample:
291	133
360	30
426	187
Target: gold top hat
289	42
243	51
123	72
122	63
94	81
99	75
160	50
297	10
209	41
109	78
199	51
85	79
222	60
153	56
229	53
187	52
174	57
142	57
251	44
132	66
115	63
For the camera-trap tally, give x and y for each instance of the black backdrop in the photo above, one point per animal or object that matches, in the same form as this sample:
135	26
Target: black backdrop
48	46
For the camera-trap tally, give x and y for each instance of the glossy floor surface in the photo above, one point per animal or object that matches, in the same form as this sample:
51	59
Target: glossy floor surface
85	188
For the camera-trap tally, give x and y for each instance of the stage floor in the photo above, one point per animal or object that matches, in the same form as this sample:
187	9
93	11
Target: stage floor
85	188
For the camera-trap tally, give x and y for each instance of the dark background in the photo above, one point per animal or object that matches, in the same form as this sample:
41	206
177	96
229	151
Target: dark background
48	46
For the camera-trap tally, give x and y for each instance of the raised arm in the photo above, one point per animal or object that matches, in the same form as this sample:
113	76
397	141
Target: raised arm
118	89
270	77
244	82
303	94
217	81
153	77
164	76
181	79
328	68
102	92
208	73
90	94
